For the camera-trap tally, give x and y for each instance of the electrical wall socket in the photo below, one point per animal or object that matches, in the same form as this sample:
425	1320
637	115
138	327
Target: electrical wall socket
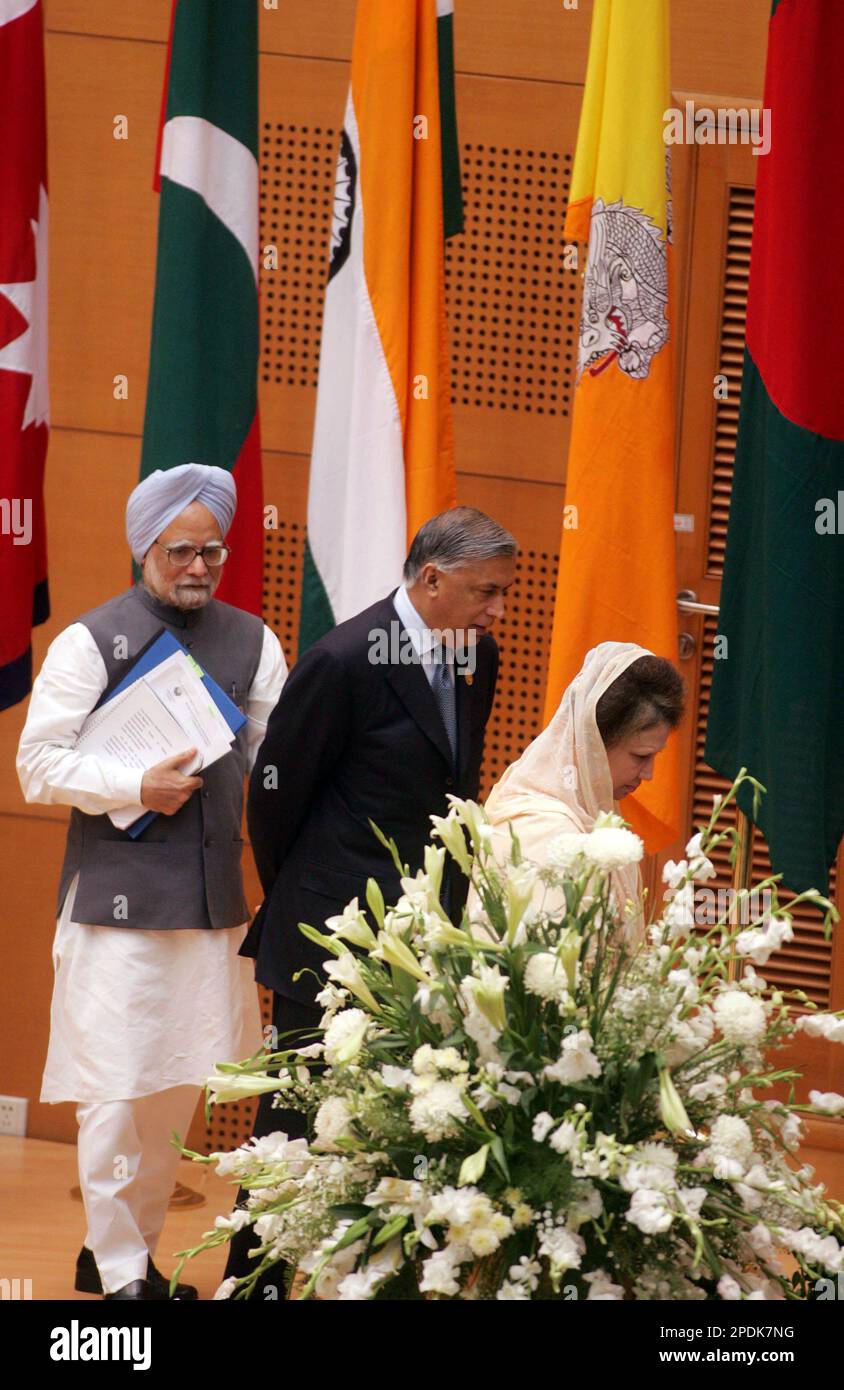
13	1115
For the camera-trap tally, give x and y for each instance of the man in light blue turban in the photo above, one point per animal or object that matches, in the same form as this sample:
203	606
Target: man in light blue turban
151	991
173	509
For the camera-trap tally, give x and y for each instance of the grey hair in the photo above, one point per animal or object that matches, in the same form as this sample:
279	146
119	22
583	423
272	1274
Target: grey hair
461	536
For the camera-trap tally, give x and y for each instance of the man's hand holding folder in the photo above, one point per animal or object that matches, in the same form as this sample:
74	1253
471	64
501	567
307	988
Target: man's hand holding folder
165	789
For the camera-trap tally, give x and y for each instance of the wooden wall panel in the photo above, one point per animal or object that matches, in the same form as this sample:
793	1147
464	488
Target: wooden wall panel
103	227
129	19
717	47
31	852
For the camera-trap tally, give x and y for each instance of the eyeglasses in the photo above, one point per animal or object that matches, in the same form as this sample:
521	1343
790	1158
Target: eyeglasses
181	556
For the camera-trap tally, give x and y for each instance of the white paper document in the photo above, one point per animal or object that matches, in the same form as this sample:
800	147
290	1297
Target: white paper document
161	714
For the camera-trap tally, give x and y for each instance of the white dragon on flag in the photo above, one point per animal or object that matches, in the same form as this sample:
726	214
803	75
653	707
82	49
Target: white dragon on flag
625	292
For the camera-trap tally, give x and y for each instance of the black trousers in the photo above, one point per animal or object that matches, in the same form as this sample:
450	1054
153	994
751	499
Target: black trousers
288	1015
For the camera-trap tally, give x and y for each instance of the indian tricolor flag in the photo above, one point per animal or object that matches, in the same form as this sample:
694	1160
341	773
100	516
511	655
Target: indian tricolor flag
383	455
202	402
777	703
617	565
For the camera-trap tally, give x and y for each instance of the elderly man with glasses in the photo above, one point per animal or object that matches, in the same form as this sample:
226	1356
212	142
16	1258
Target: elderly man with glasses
149	988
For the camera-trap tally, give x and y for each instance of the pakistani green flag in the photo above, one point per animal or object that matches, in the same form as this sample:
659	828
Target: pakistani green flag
202	404
778	683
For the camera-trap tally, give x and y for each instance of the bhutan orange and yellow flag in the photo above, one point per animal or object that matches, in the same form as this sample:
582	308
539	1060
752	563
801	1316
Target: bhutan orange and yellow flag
617	576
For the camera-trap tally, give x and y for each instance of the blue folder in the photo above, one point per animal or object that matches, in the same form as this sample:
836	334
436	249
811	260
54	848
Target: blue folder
156	651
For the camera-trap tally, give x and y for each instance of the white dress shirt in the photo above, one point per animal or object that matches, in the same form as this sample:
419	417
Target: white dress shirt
134	1011
423	637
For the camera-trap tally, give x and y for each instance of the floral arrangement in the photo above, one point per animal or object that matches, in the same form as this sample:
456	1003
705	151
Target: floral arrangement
531	1106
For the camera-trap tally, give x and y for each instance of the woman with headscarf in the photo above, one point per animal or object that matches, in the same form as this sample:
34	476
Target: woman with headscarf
612	722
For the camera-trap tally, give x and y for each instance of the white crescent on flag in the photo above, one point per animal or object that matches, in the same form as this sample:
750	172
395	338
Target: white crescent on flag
13	9
206	159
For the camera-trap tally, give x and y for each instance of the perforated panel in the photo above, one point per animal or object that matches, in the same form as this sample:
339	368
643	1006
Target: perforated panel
297	181
512	304
284	555
523	638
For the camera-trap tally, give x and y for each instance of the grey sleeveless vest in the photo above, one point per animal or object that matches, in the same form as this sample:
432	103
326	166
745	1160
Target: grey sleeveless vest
184	870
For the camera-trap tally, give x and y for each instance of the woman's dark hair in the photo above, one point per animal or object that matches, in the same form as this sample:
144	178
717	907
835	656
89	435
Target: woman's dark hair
649	692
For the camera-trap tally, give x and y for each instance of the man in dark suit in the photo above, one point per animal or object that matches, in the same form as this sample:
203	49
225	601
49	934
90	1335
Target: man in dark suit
380	720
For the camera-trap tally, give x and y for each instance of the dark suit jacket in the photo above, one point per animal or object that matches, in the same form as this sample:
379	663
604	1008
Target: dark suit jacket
352	740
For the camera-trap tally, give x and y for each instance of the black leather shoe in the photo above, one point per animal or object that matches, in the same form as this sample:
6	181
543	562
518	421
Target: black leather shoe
88	1279
138	1289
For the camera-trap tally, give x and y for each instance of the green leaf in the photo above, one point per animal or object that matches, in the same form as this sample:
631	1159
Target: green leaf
497	1149
389	1230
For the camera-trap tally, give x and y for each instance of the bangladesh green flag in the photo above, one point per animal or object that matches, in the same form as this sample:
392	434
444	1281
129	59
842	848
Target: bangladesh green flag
202	404
778	683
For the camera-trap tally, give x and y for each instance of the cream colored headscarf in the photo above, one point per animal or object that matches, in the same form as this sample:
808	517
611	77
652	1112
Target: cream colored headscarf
562	781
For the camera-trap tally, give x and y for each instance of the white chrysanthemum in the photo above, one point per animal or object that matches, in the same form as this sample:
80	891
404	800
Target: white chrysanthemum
609	848
649	1211
440	1274
331	1123
433	1113
650	1166
739	1017
344	1036
730	1147
545	976
564	851
483	1241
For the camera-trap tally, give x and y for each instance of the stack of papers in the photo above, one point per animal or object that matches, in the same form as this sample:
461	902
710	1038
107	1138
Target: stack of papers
162	713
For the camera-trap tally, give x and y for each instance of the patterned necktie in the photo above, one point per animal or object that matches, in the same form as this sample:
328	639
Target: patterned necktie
445	696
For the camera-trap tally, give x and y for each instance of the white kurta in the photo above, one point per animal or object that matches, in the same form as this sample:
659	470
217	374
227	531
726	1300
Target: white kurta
133	1011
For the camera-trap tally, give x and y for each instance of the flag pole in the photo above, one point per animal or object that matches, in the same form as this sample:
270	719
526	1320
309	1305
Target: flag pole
742	877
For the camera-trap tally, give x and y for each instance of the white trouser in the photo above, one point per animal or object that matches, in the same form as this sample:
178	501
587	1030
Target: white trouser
127	1169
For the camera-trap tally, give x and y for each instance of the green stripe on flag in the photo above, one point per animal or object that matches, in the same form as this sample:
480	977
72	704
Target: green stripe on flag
202	392
452	190
315	614
214	49
776	687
